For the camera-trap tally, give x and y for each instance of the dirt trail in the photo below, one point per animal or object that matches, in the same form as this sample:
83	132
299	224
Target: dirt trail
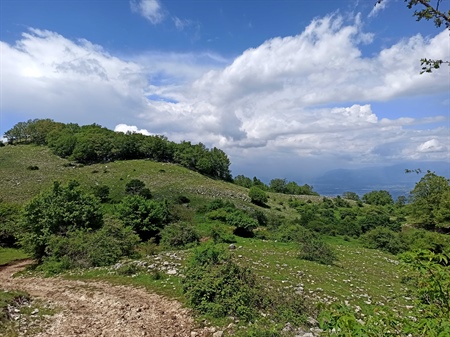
101	309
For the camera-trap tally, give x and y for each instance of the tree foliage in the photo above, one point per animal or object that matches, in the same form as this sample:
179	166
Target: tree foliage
379	198
61	210
430	201
91	144
146	217
257	195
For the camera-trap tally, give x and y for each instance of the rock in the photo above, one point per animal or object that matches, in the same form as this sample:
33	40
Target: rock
232	246
194	334
218	334
312	321
288	327
172	272
35	311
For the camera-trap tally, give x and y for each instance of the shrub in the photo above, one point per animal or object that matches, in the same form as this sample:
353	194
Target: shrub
9	229
178	235
257	195
318	251
61	210
220	234
216	286
313	248
146	217
137	187
244	225
32	168
181	199
101	192
384	239
83	248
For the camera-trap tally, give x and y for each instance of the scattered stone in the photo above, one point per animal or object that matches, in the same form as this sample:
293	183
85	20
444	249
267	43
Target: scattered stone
218	334
232	246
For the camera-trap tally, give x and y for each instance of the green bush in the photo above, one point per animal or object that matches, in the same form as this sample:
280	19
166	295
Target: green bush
318	251
244	225
9	229
56	212
220	234
146	217
179	235
101	192
84	248
257	195
313	248
215	285
384	239
137	187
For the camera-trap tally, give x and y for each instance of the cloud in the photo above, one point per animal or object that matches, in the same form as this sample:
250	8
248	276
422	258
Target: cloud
130	128
149	9
45	75
432	145
291	100
379	6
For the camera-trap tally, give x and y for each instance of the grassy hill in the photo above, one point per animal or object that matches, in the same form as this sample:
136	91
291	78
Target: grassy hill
361	276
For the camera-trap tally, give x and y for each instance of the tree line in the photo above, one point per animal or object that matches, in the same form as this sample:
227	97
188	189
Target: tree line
90	144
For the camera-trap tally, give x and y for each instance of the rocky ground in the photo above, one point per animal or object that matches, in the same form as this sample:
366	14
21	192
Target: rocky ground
101	309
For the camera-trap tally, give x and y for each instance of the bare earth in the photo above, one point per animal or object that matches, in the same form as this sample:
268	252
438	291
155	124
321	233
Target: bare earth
101	309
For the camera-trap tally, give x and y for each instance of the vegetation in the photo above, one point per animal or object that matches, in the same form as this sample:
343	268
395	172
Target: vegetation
324	250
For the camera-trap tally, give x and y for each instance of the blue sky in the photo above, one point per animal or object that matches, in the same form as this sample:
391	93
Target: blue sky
293	88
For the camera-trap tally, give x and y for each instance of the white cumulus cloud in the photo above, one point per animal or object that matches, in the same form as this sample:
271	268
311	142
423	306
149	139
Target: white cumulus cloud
149	9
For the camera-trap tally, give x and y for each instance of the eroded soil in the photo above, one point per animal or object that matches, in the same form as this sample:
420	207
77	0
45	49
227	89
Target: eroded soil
101	309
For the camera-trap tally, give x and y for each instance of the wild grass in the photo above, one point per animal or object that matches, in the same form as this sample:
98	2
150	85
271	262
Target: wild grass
8	255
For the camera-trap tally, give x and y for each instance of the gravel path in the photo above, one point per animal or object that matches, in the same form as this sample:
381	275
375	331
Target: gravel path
101	309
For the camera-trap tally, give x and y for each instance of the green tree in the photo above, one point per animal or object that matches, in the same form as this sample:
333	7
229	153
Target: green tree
350	196
61	210
379	198
278	185
257	195
243	181
429	201
146	217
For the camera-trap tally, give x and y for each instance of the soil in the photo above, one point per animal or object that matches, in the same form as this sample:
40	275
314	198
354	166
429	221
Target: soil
101	309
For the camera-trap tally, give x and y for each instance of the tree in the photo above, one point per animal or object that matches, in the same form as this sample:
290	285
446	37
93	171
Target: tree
379	198
61	210
278	185
429	201
146	217
257	195
350	196
243	181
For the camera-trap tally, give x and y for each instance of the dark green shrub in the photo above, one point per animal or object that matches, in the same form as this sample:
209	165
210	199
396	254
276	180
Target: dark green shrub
179	235
129	269
318	251
384	239
134	186
244	225
32	168
101	192
84	248
9	228
181	199
313	248
61	210
216	204
257	195
146	217
220	234
215	285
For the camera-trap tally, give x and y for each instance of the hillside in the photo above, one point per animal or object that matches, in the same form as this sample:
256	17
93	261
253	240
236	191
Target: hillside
271	255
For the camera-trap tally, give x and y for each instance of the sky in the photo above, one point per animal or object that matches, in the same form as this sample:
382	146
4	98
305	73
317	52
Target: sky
287	88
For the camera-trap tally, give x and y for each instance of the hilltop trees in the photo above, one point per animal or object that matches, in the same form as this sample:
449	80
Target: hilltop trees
90	144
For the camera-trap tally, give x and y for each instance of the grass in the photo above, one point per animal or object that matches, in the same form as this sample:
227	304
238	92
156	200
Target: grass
8	255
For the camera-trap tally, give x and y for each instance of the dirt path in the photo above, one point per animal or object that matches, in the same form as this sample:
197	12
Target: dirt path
101	309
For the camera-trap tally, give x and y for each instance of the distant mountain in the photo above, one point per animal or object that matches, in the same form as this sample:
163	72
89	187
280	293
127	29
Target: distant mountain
391	178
